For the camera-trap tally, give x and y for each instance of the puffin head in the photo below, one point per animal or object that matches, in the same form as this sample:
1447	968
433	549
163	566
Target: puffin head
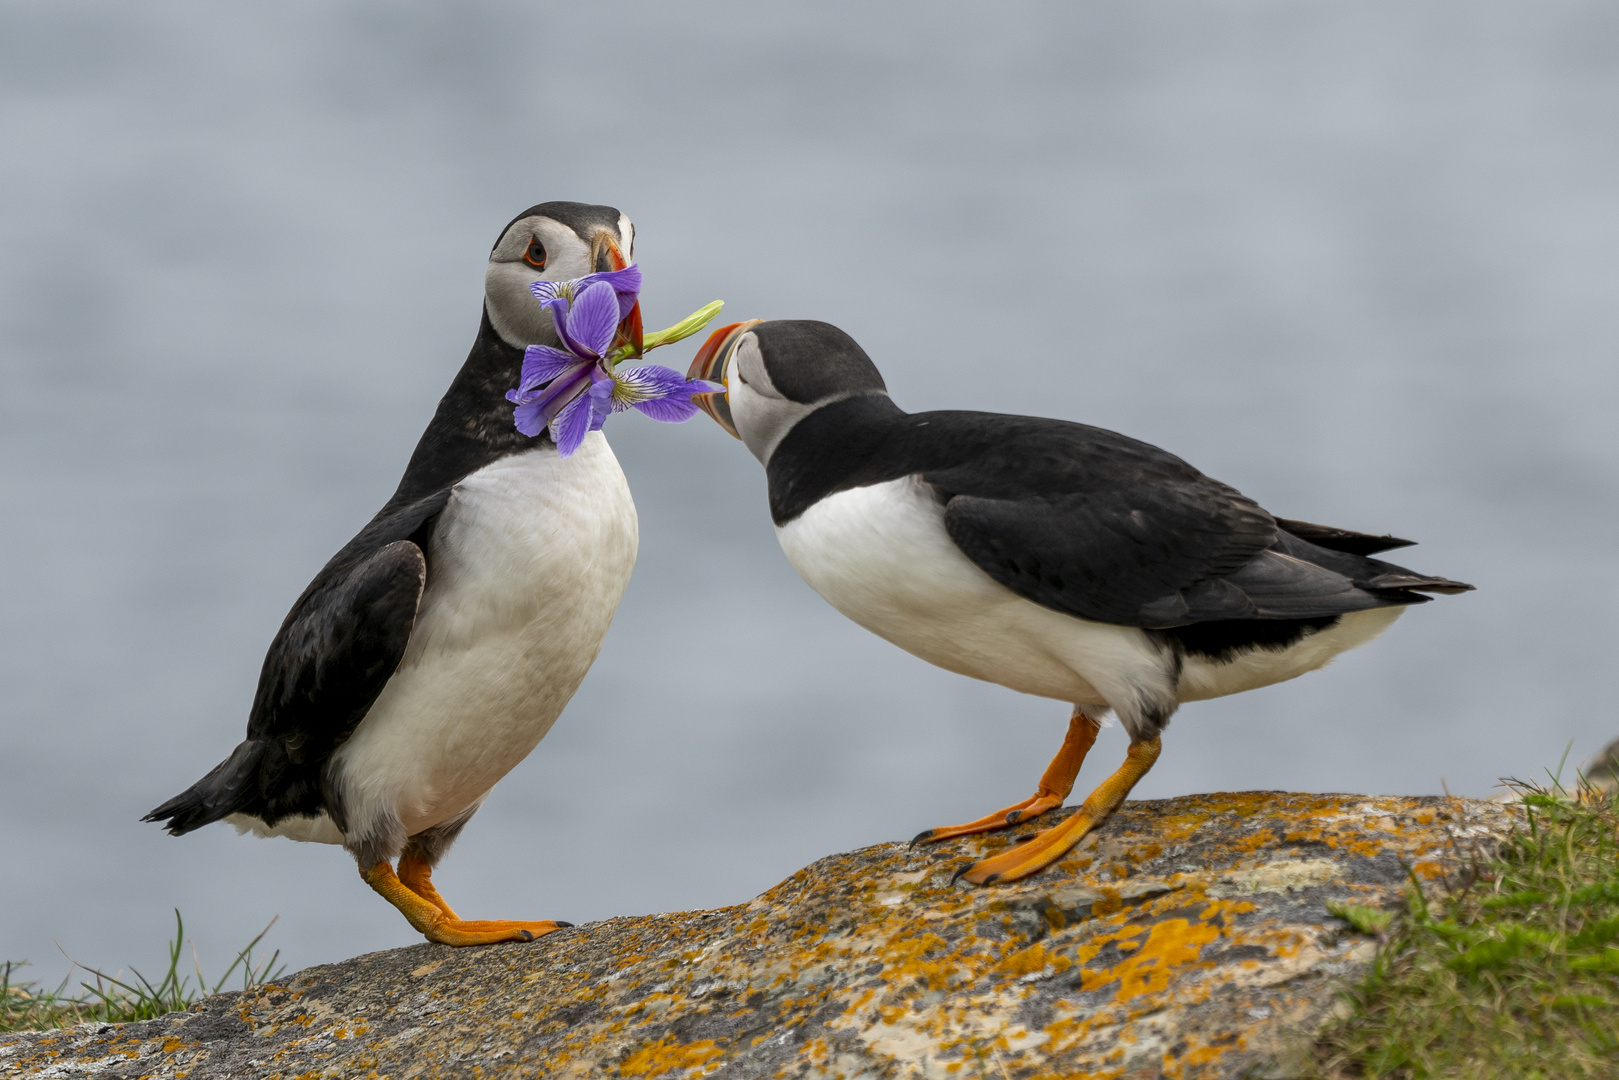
778	372
554	241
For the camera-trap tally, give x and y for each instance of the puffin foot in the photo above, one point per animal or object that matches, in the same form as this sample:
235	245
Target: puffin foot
1054	787
1047	847
416	875
427	911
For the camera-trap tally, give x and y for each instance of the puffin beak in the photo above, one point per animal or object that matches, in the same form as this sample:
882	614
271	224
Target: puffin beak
630	331
709	363
609	257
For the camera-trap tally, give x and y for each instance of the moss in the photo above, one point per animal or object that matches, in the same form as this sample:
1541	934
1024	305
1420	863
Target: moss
24	1006
1505	968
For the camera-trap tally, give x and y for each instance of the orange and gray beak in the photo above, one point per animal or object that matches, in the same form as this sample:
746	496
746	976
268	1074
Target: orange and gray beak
609	257
709	364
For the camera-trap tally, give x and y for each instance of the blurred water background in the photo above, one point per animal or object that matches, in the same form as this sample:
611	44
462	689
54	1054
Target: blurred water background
1357	259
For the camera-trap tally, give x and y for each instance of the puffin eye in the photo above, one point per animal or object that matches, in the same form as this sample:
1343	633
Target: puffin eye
535	255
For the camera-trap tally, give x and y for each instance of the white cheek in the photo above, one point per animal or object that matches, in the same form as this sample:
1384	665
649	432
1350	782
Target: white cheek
517	316
762	421
747	413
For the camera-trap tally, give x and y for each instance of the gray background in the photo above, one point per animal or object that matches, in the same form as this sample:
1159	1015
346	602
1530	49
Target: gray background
1357	259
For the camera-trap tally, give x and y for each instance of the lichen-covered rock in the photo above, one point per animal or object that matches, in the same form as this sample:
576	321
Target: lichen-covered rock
1188	937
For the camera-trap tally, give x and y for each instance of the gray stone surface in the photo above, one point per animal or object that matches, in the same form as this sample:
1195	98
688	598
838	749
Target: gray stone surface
1187	937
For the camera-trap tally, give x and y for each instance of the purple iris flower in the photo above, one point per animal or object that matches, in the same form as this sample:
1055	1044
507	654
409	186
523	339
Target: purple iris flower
626	284
573	390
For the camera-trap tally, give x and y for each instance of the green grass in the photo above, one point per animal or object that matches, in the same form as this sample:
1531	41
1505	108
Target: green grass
1509	969
111	1000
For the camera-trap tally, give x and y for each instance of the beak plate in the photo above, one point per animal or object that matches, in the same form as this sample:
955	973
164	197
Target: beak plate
709	363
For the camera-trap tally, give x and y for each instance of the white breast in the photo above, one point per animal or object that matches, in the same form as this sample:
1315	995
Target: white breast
527	566
881	556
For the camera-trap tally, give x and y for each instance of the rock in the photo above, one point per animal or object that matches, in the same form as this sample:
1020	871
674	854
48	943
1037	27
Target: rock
1189	937
1601	773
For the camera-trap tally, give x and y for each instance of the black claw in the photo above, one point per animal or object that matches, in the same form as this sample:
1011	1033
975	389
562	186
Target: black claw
528	935
560	923
1014	816
1025	838
925	834
992	879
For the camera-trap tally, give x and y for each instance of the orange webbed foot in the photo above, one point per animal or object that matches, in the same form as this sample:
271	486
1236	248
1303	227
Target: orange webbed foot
1054	786
411	891
1046	847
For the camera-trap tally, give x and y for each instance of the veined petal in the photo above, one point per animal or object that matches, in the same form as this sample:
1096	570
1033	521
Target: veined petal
561	390
552	290
571	425
601	398
661	393
626	283
593	319
669	410
529	417
649	381
542	363
561	311
656	381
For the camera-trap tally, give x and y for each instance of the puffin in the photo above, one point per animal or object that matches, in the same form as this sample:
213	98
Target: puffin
1054	558
435	650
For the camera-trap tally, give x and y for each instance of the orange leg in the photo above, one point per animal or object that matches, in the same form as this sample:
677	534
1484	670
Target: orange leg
427	911
1052	844
1054	787
417	876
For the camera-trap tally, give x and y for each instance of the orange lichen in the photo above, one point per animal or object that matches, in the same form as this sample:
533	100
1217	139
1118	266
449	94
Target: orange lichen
667	1056
1109	902
1031	960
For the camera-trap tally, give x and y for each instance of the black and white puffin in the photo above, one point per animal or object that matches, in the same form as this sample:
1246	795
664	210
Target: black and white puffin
1050	557
436	649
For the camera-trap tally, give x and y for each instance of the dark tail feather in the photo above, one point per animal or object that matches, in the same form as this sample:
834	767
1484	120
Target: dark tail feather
224	791
1347	540
1406	580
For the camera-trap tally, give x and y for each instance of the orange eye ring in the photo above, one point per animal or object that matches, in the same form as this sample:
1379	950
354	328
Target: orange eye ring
535	255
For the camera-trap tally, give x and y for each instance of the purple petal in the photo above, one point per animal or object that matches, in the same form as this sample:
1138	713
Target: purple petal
542	363
593	319
652	380
560	310
601	398
529	418
661	393
667	410
559	391
571	425
548	290
626	283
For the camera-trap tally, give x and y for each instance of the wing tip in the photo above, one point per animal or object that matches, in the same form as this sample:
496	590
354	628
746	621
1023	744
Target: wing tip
1346	540
1416	583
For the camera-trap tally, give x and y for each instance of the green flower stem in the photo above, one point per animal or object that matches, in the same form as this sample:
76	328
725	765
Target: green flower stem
685	328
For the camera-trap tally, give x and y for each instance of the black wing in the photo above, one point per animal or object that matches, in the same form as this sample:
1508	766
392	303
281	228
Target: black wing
1097	525
333	655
